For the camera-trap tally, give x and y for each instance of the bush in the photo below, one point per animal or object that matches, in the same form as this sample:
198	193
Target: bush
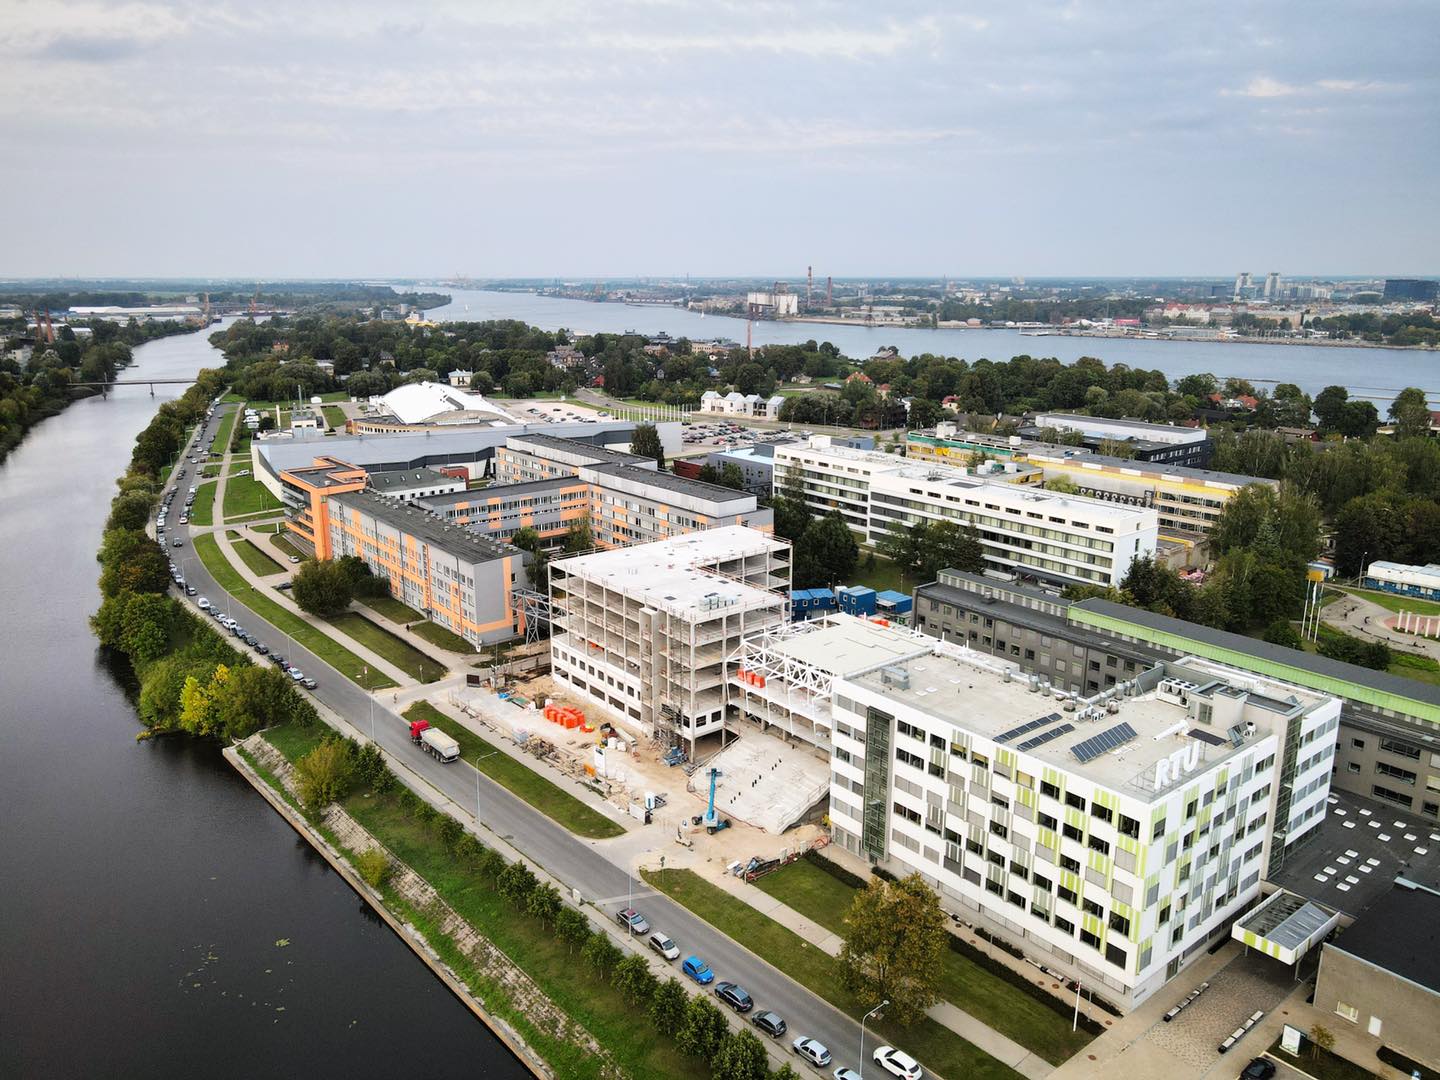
883	874
450	831
469	848
516	883
572	927
374	867
1019	981
324	774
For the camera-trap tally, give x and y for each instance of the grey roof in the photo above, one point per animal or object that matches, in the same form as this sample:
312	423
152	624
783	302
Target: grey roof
504	491
1288	921
679	484
414	520
1160	467
404	479
1400	932
579	446
1263	650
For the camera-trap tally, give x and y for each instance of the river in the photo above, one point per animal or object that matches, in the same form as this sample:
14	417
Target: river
1372	373
146	887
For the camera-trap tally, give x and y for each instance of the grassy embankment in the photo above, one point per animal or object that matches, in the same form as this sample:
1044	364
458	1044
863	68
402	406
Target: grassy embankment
317	641
254	557
572	985
938	1048
819	895
221	442
334	416
244	495
520	779
434	633
383	643
284	546
203	510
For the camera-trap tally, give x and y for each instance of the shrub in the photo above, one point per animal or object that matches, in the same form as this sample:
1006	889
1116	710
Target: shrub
324	774
634	979
601	953
492	865
469	848
450	831
374	867
835	870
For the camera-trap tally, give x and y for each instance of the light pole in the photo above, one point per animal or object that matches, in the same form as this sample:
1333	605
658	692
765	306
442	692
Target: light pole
365	676
1074	1024
864	1020
479	759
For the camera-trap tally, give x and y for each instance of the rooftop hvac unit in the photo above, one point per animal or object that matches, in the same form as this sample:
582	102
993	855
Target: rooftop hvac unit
1034	683
897	677
1006	676
1112	706
1069	705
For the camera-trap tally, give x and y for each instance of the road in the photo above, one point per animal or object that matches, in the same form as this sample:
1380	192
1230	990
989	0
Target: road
576	863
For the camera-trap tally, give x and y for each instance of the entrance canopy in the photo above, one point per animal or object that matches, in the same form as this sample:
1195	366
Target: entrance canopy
1285	926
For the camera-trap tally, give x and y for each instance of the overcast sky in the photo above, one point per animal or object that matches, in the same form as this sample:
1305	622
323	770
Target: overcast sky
556	138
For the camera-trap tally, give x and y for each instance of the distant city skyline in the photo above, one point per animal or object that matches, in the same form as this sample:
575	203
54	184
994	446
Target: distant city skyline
554	138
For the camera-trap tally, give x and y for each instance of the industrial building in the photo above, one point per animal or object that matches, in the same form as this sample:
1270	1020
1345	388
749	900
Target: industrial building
1054	538
451	576
1389	747
1167	443
1188	500
646	631
1110	836
1403	580
427	403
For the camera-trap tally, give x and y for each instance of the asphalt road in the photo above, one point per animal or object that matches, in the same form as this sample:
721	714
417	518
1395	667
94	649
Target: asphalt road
576	863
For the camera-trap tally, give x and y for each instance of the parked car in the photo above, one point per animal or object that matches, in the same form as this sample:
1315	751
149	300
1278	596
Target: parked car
898	1063
204	604
1258	1069
769	1023
278	660
734	995
190	590
698	970
177	542
308	683
664	946
297	674
285	586
844	1072
632	920
812	1051
294	558
261	648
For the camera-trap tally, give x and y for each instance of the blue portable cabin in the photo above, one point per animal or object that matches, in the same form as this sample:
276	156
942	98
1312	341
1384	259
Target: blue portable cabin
810	604
894	606
856	600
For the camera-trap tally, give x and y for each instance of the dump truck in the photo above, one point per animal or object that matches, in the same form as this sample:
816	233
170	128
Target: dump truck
434	741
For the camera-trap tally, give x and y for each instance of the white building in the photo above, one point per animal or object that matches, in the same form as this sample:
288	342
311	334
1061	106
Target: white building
1099	427
427	402
1111	837
738	404
646	631
777	304
1061	539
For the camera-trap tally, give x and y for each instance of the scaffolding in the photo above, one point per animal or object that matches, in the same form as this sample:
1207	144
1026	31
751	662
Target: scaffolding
535	612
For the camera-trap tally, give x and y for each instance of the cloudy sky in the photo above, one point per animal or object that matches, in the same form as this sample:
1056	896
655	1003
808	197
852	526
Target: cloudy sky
583	137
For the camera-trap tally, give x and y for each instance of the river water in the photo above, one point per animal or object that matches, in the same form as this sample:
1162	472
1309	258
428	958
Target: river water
1373	373
144	887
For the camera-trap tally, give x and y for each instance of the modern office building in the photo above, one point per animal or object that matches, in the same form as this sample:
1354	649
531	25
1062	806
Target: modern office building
410	484
646	631
1167	443
1059	539
459	580
1111	836
1389	747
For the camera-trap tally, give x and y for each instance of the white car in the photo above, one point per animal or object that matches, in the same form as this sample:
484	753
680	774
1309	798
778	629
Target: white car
812	1051
898	1063
204	604
662	944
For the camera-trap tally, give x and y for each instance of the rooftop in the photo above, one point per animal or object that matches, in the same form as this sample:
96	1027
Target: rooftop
455	539
595	453
415	402
708	547
1141	429
678	586
1137	725
844	644
480	496
1400	933
1036	498
408	479
668	481
1042	453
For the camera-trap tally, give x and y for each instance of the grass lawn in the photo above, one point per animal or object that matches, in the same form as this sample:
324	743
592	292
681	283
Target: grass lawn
553	801
1420	668
246	495
624	1030
317	641
253	557
821	896
336	395
334	415
285	546
938	1048
393	609
210	469
1321	1064
442	637
274	528
203	512
221	441
1391	602
379	640
884	575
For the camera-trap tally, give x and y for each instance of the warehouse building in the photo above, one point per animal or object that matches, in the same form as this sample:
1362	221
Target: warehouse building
1422	582
1110	836
1167	443
1058	539
646	631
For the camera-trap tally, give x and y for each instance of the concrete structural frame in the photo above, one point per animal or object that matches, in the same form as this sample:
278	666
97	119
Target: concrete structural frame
646	631
1111	836
1060	539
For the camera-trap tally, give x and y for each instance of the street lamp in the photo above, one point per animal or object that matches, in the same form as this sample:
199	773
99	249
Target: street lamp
365	677
864	1020
479	759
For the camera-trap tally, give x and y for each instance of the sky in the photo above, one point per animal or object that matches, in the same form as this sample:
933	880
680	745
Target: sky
574	138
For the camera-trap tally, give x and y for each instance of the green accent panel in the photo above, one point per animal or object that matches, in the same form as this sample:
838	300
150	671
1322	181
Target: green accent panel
1075	817
1107	799
1070	881
1054	776
1027	797
1328	684
1203	816
1005	757
1048	838
1156	814
1126	843
1094	925
1098	862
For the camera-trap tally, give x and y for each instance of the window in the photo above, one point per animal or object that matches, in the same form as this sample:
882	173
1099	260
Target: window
1390	795
1348	1011
1067	863
1430	809
1129	827
1164	915
1047	788
1071	832
1089	939
1092	908
1405	750
1190	808
1065	924
1102	846
1358	744
1104	813
1405	776
1042	883
1068	895
999	830
1159	830
1352	766
1115	955
1120	924
1071	799
1047	821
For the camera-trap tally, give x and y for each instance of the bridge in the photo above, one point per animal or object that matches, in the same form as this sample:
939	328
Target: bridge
152	383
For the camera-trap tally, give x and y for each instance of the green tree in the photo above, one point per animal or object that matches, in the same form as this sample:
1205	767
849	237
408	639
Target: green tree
731	476
145	628
1321	1039
703	1030
255	697
826	554
667	1007
1061	485
1410	412
903	544
645	442
634	979
894	944
130	510
579	536
538	568
323	775
741	1057
601	954
322	587
516	883
544	903
571	927
374	866
946	545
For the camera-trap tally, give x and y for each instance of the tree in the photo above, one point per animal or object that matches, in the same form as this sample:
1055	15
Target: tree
903	544
516	883
255	697
374	866
894	943
538	568
634	979
601	953
645	442
544	903
492	863
322	587
1321	1039
741	1057
323	775
792	517
946	545
826	554
702	1031
571	927
1410	412
731	476
130	510
667	1006
1061	485
1329	407
145	626
579	537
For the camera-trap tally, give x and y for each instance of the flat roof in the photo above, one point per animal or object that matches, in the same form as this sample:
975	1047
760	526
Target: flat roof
408	518
1400	933
680	485
1161	432
479	496
1314	663
404	479
678	587
703	548
578	446
844	644
1035	497
1288	920
1146	468
970	691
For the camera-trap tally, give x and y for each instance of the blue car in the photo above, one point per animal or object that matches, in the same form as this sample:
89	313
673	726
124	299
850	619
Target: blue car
698	970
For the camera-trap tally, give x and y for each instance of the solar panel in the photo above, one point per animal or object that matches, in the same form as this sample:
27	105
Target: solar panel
1207	736
1049	718
1237	736
1103	743
1046	736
